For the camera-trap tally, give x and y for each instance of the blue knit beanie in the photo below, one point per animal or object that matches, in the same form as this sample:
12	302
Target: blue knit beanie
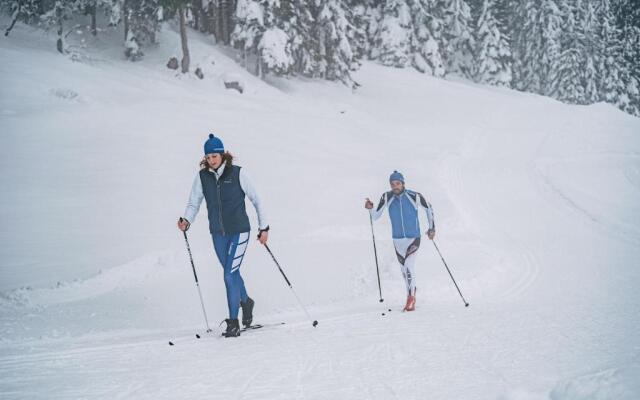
396	176
213	145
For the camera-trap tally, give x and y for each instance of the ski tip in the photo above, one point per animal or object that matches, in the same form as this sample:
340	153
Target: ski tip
170	343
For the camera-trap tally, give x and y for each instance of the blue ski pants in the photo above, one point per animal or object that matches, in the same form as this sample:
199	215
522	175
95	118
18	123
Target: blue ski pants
230	250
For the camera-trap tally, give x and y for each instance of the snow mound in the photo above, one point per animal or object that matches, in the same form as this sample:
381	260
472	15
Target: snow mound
141	272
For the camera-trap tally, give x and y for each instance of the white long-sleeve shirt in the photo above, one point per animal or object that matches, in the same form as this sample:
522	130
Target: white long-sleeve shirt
197	195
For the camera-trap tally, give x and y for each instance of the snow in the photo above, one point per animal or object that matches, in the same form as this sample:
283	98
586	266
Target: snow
536	213
274	48
618	383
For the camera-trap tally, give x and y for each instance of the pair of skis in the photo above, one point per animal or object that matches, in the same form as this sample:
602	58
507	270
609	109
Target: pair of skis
245	329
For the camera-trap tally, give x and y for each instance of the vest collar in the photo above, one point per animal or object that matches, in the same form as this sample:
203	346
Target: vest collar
220	170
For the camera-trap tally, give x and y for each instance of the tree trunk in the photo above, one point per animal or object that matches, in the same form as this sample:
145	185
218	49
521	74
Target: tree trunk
125	7
94	29
183	38
218	21
224	13
206	20
14	19
198	15
59	42
259	69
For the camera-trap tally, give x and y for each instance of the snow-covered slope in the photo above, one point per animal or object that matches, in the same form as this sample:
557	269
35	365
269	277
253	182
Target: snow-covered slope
536	208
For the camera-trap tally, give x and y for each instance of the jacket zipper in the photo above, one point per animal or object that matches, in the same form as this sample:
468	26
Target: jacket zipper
220	205
404	233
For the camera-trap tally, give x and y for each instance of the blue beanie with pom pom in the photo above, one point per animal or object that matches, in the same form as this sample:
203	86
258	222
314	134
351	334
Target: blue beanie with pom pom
213	145
396	176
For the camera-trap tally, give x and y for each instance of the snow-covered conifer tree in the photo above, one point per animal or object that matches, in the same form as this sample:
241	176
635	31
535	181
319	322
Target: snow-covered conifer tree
249	27
492	63
571	88
426	39
393	37
458	41
334	48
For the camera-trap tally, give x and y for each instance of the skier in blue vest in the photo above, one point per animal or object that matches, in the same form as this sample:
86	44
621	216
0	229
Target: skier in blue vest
403	207
224	187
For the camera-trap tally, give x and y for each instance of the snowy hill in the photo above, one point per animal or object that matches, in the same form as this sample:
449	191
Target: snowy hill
536	207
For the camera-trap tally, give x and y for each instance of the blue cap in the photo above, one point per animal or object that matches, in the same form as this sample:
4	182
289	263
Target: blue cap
213	145
396	176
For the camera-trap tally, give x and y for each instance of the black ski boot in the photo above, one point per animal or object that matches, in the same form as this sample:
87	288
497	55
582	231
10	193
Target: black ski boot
233	328
247	312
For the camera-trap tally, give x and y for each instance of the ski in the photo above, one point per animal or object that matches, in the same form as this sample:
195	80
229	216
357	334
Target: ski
259	326
245	329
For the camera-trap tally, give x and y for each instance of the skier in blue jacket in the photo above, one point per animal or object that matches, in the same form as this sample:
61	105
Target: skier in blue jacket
224	187
403	207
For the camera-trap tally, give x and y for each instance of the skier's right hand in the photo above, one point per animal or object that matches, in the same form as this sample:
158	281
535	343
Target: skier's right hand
368	204
183	224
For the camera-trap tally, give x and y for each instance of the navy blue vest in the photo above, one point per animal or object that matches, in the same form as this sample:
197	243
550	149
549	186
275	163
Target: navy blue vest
225	201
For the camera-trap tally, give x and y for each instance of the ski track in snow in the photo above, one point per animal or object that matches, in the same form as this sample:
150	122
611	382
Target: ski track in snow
624	230
536	214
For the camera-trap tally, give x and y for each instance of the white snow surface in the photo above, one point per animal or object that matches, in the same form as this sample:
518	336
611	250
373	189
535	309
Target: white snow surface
536	207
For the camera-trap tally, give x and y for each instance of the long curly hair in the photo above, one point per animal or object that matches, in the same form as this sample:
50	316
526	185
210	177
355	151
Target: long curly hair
226	158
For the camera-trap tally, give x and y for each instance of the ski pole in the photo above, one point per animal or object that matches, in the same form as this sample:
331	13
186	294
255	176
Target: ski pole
315	322
375	254
206	320
448	270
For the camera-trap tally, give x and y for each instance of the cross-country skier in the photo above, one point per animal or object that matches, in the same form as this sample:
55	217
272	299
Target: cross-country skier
224	187
403	207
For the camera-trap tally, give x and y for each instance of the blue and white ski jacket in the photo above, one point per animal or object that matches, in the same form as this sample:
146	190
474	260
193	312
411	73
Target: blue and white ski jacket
403	212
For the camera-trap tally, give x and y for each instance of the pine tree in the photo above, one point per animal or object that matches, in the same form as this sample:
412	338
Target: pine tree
223	12
114	11
249	28
275	53
426	39
616	84
550	20
59	13
570	87
274	50
25	11
627	15
393	37
493	54
373	19
303	31
589	23
536	46
524	52
458	38
334	48
357	30
141	20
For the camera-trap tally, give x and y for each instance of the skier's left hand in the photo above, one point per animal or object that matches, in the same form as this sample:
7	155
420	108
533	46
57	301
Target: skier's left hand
431	233
263	236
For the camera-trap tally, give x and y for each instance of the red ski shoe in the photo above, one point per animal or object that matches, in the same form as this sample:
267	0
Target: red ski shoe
411	302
